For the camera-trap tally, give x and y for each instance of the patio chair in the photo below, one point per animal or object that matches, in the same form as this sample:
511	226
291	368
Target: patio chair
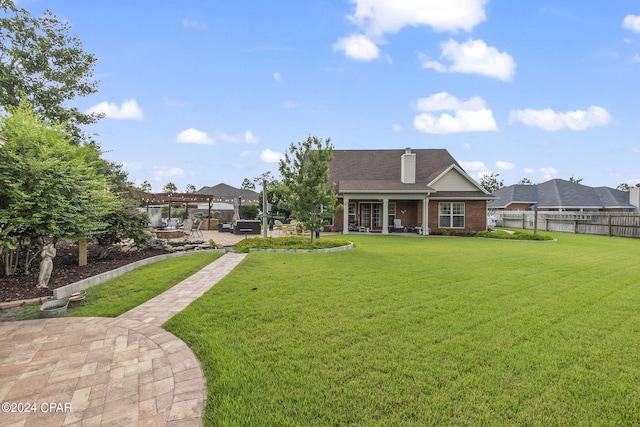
397	224
196	227
188	228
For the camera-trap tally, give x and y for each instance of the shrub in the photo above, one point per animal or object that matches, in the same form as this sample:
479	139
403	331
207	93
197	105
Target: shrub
291	242
517	235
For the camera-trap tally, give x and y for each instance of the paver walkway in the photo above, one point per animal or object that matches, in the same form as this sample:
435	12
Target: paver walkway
126	371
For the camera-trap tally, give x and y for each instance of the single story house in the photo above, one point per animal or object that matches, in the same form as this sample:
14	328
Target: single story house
561	195
421	190
224	193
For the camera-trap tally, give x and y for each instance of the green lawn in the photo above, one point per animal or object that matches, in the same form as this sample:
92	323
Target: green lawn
425	331
119	295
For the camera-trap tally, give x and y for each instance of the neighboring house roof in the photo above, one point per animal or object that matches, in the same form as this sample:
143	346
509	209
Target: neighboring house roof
227	193
437	173
561	194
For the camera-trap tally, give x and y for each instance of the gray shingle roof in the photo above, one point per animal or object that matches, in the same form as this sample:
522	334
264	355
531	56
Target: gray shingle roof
561	194
227	192
379	170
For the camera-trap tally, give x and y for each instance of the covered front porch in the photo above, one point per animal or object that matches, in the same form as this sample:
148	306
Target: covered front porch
385	213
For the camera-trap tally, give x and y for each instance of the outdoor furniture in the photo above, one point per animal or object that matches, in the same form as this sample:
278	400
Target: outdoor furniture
247	227
397	224
196	228
224	228
188	227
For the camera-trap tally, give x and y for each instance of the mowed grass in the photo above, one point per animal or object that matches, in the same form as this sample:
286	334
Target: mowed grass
424	331
119	295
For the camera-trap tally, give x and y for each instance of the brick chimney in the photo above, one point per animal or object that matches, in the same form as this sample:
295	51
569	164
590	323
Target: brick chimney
408	167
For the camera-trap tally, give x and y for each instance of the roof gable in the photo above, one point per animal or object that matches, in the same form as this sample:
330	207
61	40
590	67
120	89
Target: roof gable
454	178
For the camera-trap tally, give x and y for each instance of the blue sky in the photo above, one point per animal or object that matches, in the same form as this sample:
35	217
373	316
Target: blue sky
202	92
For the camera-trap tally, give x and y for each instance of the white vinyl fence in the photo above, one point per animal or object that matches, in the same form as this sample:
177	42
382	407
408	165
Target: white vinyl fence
619	224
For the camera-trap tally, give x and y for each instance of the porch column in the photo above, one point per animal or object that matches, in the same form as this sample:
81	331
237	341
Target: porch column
425	216
385	216
345	215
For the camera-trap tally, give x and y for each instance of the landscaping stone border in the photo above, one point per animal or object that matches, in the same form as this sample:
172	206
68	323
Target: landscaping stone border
336	249
81	285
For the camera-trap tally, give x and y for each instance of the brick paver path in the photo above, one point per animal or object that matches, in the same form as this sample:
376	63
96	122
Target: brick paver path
126	371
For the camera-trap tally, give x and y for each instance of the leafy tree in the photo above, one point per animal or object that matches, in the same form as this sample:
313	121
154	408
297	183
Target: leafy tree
190	188
169	187
123	222
576	180
146	187
248	211
525	181
247	184
50	189
626	187
275	197
305	182
39	59
491	183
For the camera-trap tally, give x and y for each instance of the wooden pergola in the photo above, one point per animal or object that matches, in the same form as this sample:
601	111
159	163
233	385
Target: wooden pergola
167	198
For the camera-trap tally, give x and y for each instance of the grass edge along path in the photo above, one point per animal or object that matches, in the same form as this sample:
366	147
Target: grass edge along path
120	294
424	331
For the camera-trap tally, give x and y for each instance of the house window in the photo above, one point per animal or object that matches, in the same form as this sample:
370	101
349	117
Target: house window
392	212
451	215
352	215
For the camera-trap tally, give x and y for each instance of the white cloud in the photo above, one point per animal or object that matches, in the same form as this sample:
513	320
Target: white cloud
635	59
378	17
375	18
504	165
550	120
250	138
631	22
277	77
270	156
396	128
246	136
529	170
473	166
469	116
358	47
443	101
548	173
247	153
162	172
474	57
194	136
129	110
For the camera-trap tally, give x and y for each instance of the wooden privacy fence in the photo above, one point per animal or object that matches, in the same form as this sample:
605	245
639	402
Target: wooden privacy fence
621	224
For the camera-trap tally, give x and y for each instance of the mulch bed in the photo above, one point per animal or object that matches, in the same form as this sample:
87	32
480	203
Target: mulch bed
67	271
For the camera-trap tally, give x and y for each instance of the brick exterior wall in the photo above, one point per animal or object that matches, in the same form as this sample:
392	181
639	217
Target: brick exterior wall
475	216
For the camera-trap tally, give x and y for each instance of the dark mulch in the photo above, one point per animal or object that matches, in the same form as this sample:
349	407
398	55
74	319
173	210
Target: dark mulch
66	270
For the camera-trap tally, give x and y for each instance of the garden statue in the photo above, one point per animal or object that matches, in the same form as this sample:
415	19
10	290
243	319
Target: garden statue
46	265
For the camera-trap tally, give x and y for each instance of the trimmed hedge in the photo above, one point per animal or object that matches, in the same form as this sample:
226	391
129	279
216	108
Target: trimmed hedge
517	235
292	242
